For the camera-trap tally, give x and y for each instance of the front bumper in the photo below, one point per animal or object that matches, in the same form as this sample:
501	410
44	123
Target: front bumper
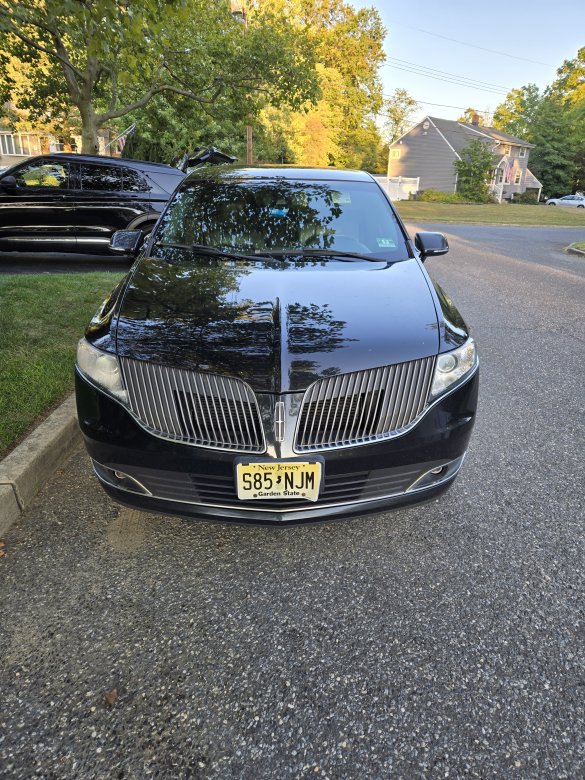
149	473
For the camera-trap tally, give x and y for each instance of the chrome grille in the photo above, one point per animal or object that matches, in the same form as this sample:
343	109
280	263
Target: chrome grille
364	406
220	490
194	408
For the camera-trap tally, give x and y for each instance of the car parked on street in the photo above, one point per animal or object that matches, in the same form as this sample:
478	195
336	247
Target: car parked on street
74	203
576	201
277	354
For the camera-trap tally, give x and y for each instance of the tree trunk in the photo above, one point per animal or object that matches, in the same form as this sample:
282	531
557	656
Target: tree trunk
89	132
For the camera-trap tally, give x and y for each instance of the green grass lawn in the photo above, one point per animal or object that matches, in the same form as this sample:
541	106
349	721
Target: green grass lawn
42	316
490	214
579	245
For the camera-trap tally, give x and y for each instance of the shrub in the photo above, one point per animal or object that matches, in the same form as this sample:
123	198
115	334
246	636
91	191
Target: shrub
525	197
436	196
473	172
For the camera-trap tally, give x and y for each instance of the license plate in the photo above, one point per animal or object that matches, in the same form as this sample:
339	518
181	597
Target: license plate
278	480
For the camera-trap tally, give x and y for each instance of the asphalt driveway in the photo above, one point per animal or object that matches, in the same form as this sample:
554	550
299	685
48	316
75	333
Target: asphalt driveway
445	640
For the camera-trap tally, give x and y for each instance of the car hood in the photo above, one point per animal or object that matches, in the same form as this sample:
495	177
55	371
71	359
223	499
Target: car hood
277	325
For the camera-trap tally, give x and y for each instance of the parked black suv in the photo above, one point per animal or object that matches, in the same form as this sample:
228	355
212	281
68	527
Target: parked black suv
73	202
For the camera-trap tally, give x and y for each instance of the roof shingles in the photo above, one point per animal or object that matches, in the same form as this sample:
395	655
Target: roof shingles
459	134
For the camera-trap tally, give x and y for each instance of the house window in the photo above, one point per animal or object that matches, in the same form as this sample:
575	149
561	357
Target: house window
518	176
19	144
499	175
395	154
507	149
522	151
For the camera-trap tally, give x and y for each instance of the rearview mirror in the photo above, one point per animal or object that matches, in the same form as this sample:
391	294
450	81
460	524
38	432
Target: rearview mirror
126	242
431	244
8	183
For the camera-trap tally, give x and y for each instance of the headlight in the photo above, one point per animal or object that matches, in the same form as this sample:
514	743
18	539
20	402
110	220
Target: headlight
452	366
102	368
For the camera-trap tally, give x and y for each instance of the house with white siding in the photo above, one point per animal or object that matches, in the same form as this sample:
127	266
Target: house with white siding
17	146
429	149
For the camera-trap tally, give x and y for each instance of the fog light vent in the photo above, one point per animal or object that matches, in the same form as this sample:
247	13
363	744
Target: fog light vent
119	479
437	474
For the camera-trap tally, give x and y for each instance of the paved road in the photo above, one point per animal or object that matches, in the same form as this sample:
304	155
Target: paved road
439	641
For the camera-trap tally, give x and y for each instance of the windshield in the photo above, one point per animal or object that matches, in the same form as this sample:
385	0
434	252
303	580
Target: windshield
257	216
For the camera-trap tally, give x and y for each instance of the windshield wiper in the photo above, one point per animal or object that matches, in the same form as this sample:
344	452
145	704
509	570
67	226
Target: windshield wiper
323	253
210	251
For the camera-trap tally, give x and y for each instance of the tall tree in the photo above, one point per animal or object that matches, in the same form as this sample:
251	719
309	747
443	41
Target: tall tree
569	86
398	110
552	121
108	58
553	158
517	113
570	82
348	45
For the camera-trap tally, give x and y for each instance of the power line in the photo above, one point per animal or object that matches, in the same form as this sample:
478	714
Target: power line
475	46
436	71
443	105
449	80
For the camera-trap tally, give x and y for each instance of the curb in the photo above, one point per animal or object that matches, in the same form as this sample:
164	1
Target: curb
572	250
26	469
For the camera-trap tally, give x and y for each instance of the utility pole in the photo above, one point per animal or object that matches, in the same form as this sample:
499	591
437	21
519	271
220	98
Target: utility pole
238	8
249	145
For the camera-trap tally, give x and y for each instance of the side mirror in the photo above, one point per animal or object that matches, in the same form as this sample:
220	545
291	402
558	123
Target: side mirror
126	242
8	183
431	244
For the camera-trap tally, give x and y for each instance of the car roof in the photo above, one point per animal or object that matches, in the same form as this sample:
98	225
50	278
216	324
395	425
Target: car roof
268	172
141	164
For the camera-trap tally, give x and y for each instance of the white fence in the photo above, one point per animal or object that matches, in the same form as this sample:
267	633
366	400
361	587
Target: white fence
399	187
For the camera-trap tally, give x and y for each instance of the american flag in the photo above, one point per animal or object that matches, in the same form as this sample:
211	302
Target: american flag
509	172
121	141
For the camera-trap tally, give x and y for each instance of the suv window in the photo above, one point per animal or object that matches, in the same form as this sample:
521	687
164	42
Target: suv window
101	177
47	174
168	181
134	181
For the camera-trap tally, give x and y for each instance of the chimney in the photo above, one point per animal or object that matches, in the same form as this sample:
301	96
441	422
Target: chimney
475	119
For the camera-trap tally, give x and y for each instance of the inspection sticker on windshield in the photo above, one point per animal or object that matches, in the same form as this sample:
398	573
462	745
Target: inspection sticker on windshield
386	243
278	479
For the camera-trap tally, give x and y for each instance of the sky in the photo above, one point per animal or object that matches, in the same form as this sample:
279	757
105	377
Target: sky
537	34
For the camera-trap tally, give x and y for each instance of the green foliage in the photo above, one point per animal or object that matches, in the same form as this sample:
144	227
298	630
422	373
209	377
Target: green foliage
545	121
570	82
554	122
473	172
527	198
517	113
339	129
436	196
552	159
109	58
398	111
303	73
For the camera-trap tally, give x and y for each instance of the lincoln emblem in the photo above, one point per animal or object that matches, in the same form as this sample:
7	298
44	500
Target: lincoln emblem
279	421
